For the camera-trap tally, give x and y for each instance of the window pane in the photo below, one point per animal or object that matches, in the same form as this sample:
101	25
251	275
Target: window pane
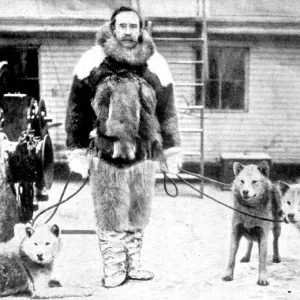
214	57
232	94
237	99
226	84
212	100
232	64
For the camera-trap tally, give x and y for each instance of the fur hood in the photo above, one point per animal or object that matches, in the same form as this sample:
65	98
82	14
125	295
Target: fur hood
136	56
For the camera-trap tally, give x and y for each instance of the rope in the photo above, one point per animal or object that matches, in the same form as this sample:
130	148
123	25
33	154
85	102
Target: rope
60	199
215	200
60	202
205	178
166	177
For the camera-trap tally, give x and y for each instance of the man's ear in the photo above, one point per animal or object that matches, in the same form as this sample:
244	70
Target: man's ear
237	168
263	167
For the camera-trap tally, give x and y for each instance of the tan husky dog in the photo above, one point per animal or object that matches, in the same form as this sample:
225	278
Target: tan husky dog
254	194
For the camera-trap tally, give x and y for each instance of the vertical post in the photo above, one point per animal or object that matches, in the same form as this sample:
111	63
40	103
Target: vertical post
137	5
204	81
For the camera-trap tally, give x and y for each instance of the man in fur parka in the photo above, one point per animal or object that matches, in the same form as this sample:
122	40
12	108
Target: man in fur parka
121	119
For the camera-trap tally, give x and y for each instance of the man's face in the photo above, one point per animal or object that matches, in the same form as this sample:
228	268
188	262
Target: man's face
127	29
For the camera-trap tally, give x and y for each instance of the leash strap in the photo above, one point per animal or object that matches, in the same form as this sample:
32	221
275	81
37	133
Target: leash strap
215	200
205	178
60	202
166	177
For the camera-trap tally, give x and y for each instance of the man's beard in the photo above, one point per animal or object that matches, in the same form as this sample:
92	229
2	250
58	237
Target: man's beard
130	39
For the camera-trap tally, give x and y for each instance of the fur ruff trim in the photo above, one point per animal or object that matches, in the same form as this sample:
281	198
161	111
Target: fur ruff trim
108	46
122	197
90	59
159	66
136	56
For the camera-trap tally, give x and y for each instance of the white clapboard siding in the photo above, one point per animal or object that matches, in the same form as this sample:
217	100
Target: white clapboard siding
272	122
170	8
58	58
184	95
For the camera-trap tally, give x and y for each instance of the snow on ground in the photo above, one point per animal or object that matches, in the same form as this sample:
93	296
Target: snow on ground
186	245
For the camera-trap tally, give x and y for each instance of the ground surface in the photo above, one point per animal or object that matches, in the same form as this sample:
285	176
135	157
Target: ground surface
186	246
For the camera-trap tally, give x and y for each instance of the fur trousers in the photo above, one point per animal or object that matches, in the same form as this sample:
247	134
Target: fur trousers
122	197
122	202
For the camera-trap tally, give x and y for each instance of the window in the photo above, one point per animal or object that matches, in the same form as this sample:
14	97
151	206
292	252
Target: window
226	82
23	66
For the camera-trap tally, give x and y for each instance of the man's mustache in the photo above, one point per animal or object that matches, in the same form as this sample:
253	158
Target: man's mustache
128	39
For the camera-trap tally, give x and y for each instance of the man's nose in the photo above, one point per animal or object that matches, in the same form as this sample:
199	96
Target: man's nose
128	30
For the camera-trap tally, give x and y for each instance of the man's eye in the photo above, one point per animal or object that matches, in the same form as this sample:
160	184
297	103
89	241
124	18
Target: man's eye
133	26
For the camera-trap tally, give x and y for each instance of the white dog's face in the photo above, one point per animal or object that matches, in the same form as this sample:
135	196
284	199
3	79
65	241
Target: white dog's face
41	244
291	202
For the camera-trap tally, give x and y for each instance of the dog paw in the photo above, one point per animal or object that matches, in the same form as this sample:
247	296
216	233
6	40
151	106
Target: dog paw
276	259
54	283
227	277
245	259
262	281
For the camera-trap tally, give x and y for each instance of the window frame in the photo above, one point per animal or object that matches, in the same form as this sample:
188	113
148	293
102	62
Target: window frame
245	46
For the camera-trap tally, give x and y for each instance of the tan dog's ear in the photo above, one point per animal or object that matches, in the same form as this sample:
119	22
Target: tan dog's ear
284	187
237	168
264	168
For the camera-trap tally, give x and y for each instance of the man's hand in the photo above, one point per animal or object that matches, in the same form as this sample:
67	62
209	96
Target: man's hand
79	162
172	161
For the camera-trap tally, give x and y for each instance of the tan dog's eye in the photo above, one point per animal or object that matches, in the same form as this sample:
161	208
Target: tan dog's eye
254	181
242	181
288	202
47	244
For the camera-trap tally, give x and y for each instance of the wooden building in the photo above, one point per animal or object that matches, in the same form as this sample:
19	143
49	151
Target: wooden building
253	87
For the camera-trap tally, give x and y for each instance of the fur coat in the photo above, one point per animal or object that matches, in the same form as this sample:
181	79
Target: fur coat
127	96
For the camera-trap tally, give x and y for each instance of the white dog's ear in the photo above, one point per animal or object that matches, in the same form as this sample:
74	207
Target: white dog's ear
55	230
29	231
237	168
284	187
264	168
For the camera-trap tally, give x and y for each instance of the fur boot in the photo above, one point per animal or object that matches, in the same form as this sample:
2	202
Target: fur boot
134	242
114	257
121	254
